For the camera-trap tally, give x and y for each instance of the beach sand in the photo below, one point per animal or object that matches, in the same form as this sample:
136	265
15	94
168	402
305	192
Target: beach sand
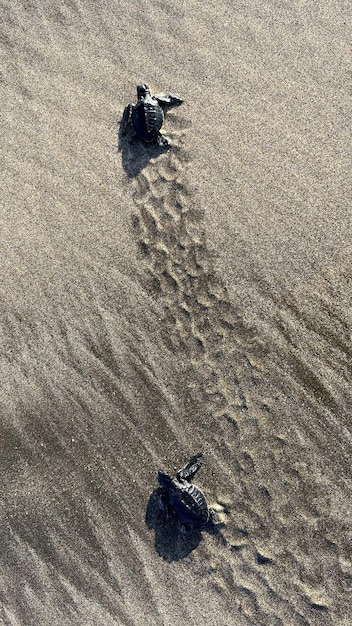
155	304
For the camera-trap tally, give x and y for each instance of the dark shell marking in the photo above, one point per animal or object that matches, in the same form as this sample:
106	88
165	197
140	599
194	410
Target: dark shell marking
147	115
147	119
186	500
190	503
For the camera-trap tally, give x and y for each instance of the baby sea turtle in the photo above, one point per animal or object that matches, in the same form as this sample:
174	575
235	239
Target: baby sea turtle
147	115
183	498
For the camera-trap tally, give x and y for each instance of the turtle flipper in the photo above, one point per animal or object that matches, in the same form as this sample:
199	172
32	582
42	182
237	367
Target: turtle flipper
192	467
163	141
168	99
214	524
126	117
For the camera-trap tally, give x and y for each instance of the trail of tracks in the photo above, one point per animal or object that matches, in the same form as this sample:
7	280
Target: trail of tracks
199	317
228	387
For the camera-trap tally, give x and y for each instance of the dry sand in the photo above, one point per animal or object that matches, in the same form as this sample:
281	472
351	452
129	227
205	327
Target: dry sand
157	304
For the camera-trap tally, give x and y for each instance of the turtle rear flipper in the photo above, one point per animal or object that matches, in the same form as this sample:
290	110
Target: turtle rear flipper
168	99
163	141
192	467
215	524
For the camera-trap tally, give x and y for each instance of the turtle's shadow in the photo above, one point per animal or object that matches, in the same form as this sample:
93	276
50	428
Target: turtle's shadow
170	543
135	153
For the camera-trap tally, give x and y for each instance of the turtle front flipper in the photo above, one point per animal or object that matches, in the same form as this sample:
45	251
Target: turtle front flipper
126	118
192	467
168	99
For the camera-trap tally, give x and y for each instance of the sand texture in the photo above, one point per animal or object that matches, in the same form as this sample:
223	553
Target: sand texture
158	303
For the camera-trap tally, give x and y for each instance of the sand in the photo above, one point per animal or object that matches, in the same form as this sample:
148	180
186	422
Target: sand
155	304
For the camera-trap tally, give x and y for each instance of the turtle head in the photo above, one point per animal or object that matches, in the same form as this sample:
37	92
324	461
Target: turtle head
142	91
165	480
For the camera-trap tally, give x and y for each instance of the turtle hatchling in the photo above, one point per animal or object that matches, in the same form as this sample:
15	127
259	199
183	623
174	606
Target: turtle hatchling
183	498
147	115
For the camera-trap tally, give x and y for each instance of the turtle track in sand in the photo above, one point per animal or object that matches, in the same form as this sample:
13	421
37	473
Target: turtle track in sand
198	316
228	388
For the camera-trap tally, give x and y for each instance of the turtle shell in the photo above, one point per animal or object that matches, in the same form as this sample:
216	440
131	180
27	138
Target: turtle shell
147	118
189	502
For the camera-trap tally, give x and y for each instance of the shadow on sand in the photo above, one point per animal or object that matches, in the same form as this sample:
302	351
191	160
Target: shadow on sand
136	153
172	542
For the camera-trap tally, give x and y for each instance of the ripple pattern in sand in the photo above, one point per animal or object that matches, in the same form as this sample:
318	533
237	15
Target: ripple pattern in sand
227	385
199	317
